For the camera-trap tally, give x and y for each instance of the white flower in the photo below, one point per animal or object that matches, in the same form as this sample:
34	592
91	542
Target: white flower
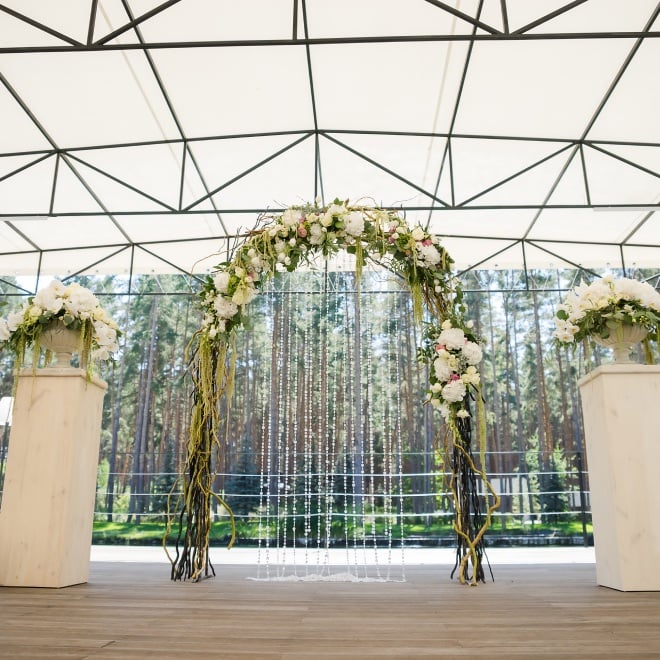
105	335
316	234
454	391
244	294
452	338
429	253
472	352
442	369
221	281
418	233
224	307
471	376
354	223
49	299
446	324
462	413
4	330
334	210
291	217
14	320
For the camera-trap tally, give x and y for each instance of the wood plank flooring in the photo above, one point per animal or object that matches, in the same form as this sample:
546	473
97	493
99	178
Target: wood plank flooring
133	610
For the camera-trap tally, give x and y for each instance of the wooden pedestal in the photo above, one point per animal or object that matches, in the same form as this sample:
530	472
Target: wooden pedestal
621	405
50	483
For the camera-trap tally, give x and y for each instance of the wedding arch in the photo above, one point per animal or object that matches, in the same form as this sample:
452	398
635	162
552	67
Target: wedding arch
450	348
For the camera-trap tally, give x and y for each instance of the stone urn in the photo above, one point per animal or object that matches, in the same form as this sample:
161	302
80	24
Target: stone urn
622	338
62	342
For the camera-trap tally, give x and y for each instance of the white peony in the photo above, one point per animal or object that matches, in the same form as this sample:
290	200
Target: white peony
354	223
472	352
454	391
442	369
429	253
291	217
452	338
221	281
316	234
224	307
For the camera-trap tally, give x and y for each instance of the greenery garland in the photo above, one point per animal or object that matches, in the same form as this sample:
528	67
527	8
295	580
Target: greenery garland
281	242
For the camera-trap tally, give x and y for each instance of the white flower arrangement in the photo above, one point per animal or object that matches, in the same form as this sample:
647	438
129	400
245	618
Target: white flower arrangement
596	309
453	354
76	307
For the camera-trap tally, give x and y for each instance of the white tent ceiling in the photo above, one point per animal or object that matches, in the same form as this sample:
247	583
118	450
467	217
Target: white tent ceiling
135	134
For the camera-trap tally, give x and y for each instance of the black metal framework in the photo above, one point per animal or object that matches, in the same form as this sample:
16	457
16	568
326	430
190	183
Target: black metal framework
473	29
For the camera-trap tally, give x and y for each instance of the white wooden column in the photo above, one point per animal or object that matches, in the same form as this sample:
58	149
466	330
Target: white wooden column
50	483
621	405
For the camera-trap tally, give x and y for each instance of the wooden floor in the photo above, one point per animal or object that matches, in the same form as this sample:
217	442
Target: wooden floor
132	610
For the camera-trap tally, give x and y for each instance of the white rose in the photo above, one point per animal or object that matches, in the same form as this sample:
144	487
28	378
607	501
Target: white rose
471	376
418	233
244	294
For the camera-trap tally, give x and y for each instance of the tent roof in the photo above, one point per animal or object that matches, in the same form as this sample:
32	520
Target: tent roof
137	134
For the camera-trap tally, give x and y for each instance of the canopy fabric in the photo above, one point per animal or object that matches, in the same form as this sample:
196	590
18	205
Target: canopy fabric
137	135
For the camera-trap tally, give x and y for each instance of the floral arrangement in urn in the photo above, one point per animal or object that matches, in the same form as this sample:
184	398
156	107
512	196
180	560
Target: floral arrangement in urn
612	312
54	310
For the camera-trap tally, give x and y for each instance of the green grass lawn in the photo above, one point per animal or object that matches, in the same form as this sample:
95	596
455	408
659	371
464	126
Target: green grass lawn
151	533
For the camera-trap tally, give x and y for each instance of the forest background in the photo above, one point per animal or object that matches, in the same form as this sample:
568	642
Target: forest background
345	340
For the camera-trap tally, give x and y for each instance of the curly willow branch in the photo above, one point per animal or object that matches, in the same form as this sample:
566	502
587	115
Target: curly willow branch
470	524
212	380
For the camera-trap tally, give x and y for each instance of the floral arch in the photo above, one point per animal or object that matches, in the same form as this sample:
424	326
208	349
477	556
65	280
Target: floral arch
450	349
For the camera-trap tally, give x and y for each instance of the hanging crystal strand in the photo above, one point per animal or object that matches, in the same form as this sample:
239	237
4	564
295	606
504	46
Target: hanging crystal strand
368	334
308	458
357	448
285	407
341	385
399	439
323	442
277	422
386	420
326	438
293	493
267	422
